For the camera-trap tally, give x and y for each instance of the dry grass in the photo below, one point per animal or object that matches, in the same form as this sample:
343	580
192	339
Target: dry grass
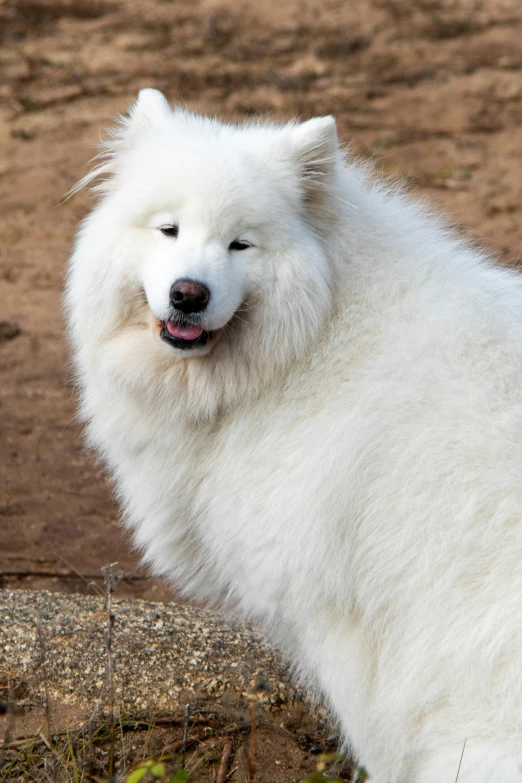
135	748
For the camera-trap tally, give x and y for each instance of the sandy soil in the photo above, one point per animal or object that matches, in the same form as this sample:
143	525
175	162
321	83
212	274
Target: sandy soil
430	88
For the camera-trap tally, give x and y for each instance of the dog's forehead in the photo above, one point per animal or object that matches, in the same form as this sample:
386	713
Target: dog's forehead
226	149
188	140
219	172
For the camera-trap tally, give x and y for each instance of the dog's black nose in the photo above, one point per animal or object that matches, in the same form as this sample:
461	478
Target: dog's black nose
189	296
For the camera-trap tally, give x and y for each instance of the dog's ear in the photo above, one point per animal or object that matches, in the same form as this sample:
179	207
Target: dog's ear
315	147
314	150
150	108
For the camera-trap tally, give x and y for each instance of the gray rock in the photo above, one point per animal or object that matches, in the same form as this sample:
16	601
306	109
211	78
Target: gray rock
161	652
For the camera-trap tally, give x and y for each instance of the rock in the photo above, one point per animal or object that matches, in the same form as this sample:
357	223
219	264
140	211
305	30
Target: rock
9	330
160	651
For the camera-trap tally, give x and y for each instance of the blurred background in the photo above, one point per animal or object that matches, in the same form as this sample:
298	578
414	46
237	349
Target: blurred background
431	90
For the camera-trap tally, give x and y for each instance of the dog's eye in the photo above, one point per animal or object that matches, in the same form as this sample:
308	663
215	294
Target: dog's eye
170	231
239	244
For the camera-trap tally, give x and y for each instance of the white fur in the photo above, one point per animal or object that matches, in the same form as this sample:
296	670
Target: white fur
344	465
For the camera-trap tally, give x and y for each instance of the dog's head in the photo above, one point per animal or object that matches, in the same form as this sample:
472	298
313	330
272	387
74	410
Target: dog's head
208	245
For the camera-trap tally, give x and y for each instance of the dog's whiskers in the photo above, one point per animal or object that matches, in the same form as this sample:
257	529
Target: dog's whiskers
238	318
137	298
245	309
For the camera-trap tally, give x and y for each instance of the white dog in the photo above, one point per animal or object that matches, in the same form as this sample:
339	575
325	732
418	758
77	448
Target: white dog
309	392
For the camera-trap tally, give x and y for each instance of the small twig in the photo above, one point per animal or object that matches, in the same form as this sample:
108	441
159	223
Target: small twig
45	741
132	724
89	584
112	578
63	574
461	757
185	734
47	706
43	664
176	747
8	732
252	741
225	761
36	739
172	721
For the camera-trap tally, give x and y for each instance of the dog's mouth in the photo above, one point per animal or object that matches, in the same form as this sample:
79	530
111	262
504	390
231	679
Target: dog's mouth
184	335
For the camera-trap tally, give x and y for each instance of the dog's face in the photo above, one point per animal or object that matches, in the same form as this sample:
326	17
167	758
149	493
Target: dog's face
210	237
205	232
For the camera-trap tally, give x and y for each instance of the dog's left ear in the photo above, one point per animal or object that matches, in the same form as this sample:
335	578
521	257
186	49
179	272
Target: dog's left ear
314	150
315	147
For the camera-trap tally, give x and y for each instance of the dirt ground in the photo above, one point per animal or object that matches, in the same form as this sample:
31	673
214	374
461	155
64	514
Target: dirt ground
429	88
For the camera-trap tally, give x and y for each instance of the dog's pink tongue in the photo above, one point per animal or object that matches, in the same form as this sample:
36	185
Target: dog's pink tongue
184	332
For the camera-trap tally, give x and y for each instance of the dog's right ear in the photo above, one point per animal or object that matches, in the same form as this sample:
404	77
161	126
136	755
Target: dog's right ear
151	108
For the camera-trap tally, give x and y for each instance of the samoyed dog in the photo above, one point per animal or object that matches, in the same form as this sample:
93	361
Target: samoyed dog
309	393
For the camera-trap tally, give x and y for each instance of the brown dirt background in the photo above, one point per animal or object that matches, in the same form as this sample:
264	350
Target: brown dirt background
430	88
